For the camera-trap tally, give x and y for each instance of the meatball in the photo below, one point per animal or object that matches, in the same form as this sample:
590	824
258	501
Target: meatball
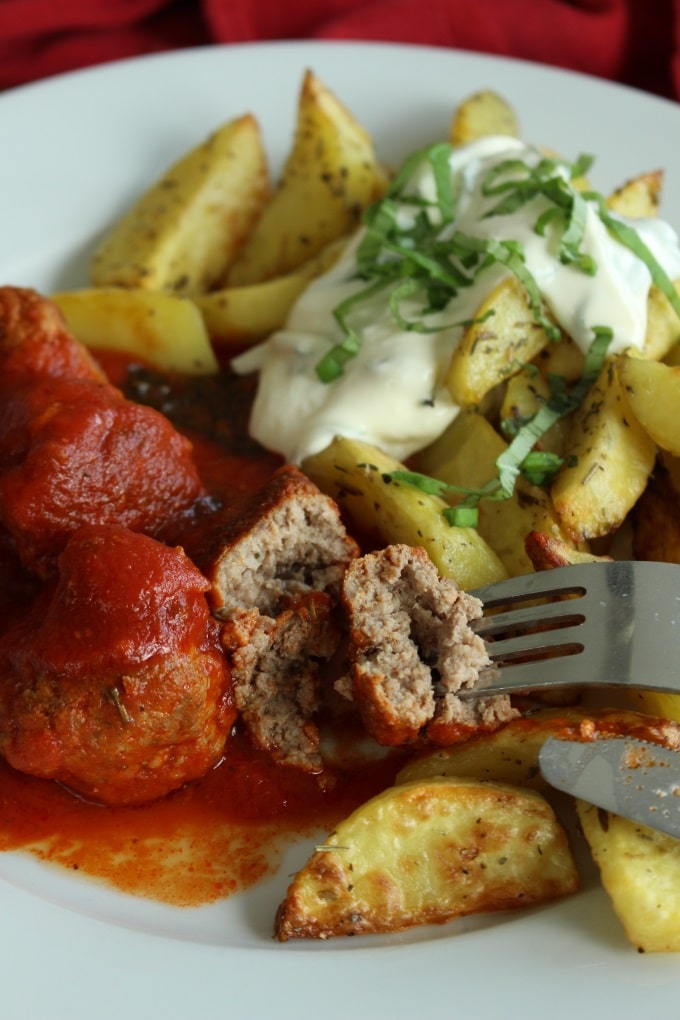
34	339
75	451
114	682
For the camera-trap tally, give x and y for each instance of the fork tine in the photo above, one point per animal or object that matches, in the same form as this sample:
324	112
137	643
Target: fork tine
532	616
565	671
543	584
543	644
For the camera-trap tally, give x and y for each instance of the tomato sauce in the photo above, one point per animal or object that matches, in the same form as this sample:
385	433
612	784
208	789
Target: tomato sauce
226	831
206	841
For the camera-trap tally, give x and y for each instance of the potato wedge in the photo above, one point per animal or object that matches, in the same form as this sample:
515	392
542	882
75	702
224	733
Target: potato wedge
657	703
639	197
525	393
425	853
662	337
546	552
507	755
331	175
495	345
183	234
510	754
160	329
355	474
473	446
483	113
652	392
235	316
565	359
640	870
612	459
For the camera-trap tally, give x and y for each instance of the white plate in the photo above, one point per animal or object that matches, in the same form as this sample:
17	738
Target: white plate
75	150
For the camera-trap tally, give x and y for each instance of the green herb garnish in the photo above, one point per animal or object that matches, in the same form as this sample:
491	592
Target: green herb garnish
427	262
629	237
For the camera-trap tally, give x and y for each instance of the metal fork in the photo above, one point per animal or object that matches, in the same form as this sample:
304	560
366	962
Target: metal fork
607	624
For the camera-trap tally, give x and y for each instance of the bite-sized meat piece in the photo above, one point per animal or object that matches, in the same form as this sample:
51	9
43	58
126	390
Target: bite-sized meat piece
276	581
412	648
115	682
275	670
34	339
75	451
292	541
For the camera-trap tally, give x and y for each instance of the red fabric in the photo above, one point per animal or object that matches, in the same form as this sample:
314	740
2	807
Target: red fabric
632	41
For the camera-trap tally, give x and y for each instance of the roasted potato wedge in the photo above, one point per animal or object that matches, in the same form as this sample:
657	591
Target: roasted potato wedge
483	113
546	552
510	754
163	330
183	234
652	392
657	703
507	755
235	316
638	197
356	475
640	870
331	175
503	335
612	458
473	446
662	337
426	852
564	359
525	393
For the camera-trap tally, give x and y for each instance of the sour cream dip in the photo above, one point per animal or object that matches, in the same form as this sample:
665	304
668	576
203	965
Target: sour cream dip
392	393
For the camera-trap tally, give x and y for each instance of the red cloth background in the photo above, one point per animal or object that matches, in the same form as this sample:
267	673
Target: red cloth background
632	41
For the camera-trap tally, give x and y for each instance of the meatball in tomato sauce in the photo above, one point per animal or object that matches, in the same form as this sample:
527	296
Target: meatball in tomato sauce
34	339
114	682
75	451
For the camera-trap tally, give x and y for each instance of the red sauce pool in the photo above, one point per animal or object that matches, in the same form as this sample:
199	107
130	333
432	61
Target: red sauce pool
227	831
194	846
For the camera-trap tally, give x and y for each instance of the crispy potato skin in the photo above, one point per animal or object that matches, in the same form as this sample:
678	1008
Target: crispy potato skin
427	852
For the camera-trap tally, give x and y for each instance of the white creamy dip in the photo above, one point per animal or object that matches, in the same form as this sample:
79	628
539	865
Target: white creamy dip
392	393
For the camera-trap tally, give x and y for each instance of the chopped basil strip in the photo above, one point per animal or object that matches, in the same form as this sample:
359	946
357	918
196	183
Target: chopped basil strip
462	516
629	237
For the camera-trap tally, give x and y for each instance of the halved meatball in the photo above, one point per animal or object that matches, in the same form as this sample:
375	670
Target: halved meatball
412	649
